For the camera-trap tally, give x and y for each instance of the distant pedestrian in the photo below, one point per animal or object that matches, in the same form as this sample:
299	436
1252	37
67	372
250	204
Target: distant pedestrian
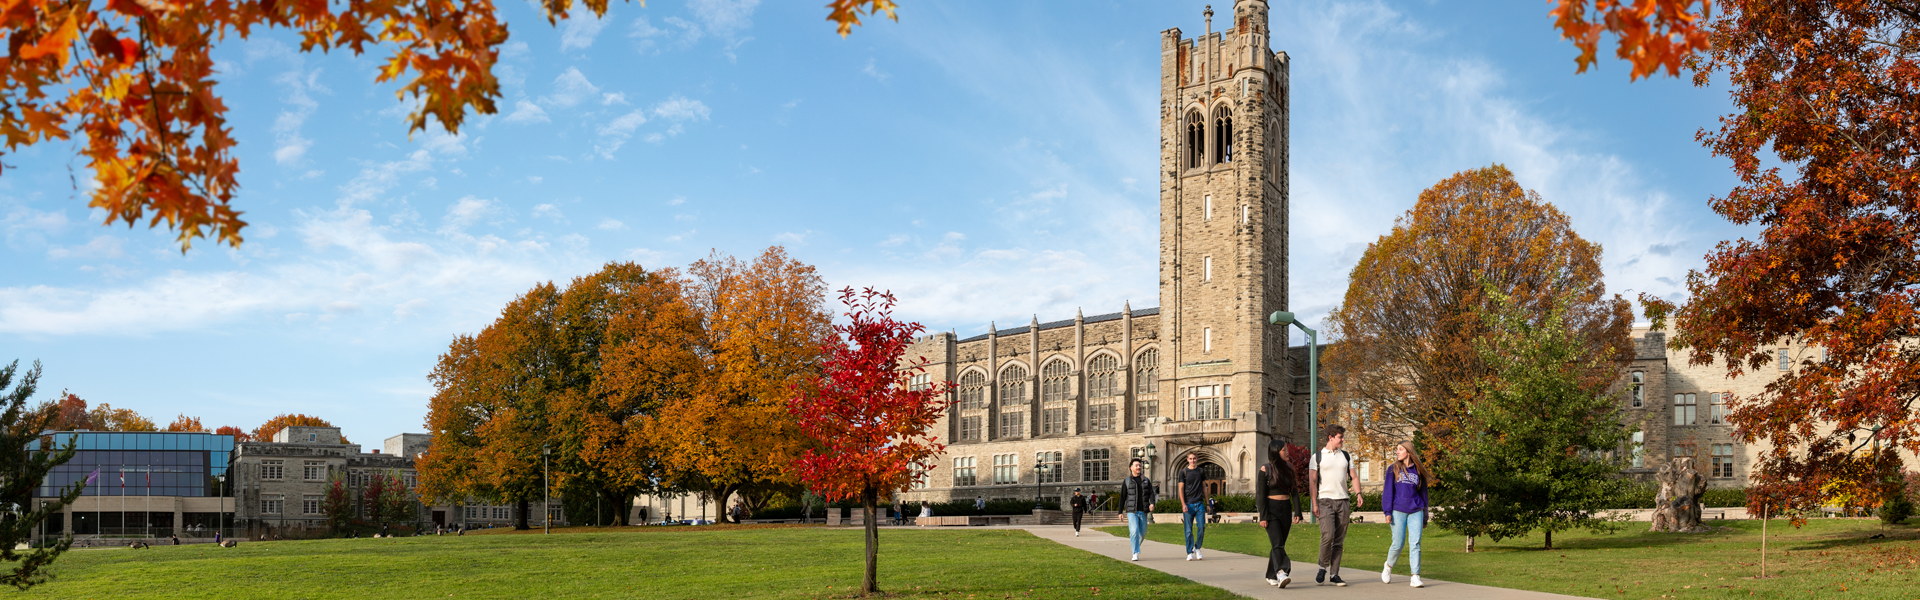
216	537
1213	510
1136	500
1273	491
980	506
899	511
1335	480
1079	505
1193	496
1405	500
926	509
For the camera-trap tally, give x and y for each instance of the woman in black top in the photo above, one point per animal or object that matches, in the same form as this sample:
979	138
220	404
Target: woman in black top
1273	491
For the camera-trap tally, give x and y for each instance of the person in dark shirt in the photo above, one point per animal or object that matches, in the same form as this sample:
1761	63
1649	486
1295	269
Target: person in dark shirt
1079	508
1193	493
1273	492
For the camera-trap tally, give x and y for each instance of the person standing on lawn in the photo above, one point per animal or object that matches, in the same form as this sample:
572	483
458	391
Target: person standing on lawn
1273	491
1136	501
1405	500
1193	494
1079	508
1335	480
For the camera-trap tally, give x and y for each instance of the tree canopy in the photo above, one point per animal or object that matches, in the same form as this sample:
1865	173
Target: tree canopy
25	460
265	432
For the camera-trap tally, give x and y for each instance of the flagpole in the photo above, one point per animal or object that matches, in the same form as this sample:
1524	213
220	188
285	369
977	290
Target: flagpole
146	520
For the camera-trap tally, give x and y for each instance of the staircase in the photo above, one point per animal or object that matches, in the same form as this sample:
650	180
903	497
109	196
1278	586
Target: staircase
1101	518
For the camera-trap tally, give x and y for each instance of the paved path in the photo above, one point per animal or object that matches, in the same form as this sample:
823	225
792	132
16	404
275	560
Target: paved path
1241	574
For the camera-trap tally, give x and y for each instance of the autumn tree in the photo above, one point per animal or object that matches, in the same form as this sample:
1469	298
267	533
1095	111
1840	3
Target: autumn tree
338	504
107	418
238	434
1407	362
1824	142
1653	34
1537	449
186	423
869	430
266	431
25	460
762	325
386	499
135	80
69	413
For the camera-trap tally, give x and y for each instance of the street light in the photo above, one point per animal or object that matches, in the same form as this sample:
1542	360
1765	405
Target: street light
1039	468
546	456
1284	318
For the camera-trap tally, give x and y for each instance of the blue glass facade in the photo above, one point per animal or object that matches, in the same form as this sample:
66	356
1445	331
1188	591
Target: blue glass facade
142	463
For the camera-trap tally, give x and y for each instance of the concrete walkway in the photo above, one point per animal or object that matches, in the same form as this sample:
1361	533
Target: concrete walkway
1242	574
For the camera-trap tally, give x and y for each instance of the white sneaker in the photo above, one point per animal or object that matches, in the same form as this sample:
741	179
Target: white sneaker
1076	534
1417	582
1284	580
1273	582
1386	575
1197	556
1189	556
1136	557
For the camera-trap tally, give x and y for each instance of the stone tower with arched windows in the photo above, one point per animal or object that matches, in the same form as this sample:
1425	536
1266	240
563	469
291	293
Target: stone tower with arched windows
1050	406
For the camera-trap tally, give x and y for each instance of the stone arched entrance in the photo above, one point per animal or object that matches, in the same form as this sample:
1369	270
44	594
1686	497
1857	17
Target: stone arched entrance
1216	478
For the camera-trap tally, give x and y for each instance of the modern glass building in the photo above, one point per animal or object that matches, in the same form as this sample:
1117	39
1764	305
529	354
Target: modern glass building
142	484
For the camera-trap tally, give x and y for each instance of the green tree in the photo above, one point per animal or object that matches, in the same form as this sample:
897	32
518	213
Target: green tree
23	466
1539	452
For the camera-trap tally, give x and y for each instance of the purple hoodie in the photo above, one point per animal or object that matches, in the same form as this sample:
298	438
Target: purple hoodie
1407	493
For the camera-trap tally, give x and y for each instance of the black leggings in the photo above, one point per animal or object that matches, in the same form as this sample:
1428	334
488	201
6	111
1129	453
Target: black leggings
1076	520
1279	523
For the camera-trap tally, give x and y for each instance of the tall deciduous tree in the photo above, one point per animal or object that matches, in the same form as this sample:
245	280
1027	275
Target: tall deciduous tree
763	324
869	430
1828	155
338	504
654	358
239	435
1538	450
186	423
266	431
135	80
25	460
107	418
1407	362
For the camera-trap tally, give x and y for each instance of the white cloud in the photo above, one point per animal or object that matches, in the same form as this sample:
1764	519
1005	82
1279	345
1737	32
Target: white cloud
874	72
26	226
549	211
569	89
613	98
793	238
579	30
677	108
289	145
894	240
616	133
647	258
408	309
724	18
611	225
467	210
527	112
103	246
648	39
678	200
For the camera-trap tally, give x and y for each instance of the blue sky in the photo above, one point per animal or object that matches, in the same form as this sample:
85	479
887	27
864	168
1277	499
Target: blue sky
985	161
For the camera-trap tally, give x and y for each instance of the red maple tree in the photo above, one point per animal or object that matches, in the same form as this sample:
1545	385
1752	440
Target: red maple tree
869	428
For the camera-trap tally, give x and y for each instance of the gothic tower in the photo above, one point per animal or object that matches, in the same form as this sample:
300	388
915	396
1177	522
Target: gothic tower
1223	229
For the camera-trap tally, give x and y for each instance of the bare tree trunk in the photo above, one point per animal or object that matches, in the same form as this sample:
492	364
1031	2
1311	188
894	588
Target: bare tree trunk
871	584
1549	539
520	510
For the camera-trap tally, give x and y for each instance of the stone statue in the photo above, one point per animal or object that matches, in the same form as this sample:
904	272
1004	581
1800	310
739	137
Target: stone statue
1677	507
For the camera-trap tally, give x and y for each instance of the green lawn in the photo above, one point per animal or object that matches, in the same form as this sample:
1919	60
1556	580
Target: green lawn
1828	558
652	562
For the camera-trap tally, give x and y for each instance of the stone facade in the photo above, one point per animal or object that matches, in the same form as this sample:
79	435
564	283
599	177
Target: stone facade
1069	402
282	484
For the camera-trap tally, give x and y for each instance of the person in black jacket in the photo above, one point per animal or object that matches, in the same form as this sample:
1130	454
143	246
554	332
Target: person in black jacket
1273	492
1136	501
1079	508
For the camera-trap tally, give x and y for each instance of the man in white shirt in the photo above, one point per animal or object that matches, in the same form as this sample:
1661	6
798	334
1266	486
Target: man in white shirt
1336	483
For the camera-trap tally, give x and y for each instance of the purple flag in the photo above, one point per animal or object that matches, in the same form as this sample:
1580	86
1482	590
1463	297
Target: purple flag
92	476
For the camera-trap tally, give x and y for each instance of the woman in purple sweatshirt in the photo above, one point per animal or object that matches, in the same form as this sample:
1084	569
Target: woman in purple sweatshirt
1405	499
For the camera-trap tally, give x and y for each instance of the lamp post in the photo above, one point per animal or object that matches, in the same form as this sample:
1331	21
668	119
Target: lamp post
1039	468
1147	455
1284	318
546	525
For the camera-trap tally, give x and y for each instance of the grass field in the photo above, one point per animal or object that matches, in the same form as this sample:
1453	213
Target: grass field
1829	558
652	562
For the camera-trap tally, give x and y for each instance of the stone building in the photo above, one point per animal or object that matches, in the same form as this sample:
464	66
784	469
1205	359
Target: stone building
282	484
1066	403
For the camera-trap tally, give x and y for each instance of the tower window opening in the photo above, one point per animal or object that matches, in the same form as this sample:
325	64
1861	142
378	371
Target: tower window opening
1223	136
1206	207
1196	139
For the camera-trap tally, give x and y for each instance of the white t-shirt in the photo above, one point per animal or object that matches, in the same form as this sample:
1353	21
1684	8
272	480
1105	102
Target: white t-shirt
1333	468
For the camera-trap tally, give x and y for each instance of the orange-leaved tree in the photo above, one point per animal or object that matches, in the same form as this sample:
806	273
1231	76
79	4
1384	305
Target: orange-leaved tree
762	327
1654	34
264	433
69	413
136	80
870	431
1825	142
651	357
239	435
186	423
1406	364
107	418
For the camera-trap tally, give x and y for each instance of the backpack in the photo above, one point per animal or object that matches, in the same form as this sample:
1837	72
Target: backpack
1343	453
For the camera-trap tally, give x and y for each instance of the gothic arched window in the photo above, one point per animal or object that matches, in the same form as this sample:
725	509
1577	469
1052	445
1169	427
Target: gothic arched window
1056	381
1196	139
973	390
1147	372
1223	135
1103	376
1013	386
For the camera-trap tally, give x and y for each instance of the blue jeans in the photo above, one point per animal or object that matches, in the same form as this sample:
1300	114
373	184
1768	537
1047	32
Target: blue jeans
1407	526
1193	521
1137	528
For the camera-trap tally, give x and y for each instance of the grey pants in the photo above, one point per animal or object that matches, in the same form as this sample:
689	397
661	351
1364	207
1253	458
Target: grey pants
1333	516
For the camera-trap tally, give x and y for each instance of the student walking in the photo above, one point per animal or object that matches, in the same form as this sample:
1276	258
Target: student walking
1079	508
1136	501
1405	500
1336	484
1273	490
1193	494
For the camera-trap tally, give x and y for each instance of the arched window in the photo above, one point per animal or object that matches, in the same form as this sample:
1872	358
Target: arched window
1147	372
1103	376
1222	135
1013	386
1056	381
1196	139
973	390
